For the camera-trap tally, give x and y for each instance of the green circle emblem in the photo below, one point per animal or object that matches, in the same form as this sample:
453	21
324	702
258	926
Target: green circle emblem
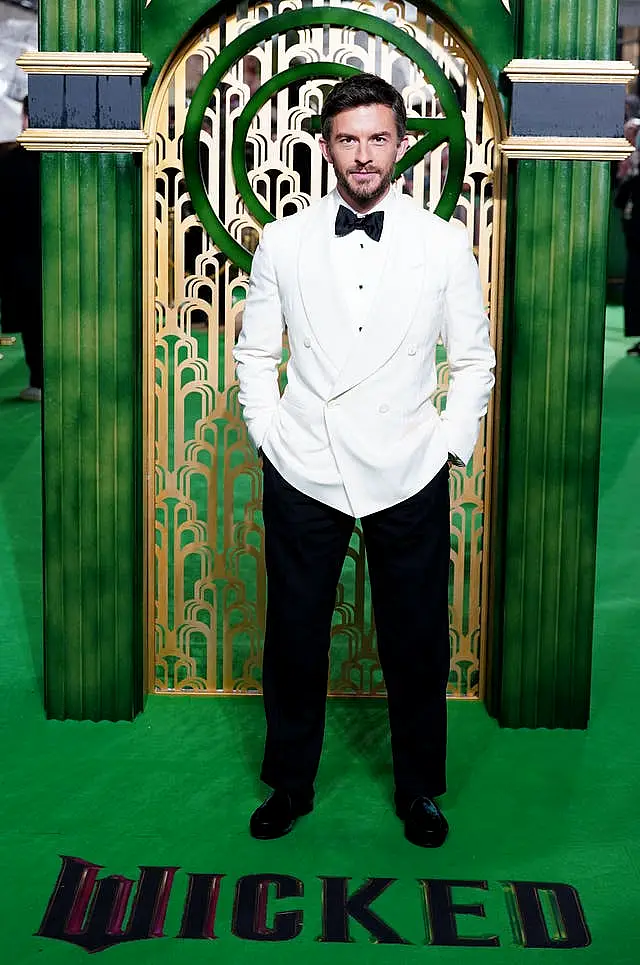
435	131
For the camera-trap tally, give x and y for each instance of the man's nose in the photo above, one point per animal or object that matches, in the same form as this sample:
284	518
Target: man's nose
362	152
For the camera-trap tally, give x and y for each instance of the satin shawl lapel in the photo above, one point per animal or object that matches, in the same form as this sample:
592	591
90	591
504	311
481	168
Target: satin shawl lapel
396	299
326	310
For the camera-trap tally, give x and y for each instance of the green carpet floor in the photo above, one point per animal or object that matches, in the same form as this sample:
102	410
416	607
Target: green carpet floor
176	787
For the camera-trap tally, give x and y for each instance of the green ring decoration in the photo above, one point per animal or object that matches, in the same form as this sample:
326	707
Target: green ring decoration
436	130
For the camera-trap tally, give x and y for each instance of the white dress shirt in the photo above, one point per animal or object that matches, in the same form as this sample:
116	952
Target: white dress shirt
357	261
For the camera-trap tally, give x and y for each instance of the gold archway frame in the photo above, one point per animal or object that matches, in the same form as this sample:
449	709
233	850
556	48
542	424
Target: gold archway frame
172	308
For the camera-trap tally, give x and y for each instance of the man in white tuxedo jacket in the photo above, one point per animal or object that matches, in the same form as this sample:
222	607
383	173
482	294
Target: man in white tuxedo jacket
364	282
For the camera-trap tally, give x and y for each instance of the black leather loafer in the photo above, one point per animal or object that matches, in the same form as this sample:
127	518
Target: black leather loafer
424	822
277	816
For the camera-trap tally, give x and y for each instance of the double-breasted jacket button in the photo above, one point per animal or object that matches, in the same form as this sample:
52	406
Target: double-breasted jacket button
307	342
383	408
411	350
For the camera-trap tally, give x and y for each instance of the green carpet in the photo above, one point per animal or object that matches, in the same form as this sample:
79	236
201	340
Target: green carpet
176	787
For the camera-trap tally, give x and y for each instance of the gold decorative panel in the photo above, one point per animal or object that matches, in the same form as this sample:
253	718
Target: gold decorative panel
208	583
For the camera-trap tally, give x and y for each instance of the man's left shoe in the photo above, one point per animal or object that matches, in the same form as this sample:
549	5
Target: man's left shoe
424	822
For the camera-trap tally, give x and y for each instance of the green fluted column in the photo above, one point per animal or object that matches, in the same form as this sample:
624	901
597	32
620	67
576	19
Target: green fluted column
90	25
568	29
552	406
92	402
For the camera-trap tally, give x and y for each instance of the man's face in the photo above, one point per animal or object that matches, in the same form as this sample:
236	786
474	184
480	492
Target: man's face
364	148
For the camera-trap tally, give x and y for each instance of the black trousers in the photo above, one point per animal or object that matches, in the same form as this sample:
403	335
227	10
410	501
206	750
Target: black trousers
408	548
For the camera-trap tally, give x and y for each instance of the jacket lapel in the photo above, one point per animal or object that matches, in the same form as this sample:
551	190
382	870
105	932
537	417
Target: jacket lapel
324	305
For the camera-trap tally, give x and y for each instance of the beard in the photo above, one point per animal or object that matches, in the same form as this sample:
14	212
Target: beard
364	193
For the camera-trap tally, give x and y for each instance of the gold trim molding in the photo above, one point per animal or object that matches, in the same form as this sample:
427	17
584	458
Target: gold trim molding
83	62
567	148
538	71
65	139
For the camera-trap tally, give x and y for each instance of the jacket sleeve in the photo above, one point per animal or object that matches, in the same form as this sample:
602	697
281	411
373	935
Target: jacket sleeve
471	359
258	351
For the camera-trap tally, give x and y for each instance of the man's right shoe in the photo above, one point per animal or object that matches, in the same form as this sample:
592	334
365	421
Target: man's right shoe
277	816
424	822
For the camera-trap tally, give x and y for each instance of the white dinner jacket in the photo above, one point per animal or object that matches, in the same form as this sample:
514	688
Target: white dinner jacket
356	428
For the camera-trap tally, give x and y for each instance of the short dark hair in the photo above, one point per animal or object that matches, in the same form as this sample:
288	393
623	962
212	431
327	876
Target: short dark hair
359	91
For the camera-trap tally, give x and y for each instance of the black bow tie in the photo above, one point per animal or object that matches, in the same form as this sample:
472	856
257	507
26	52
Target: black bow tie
347	221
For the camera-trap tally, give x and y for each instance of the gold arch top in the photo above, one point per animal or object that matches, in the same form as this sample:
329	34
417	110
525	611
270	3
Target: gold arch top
206	580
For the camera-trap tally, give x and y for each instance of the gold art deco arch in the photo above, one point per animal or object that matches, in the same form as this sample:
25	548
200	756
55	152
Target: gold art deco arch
205	576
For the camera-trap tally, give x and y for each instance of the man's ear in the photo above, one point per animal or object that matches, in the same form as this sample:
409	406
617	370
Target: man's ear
402	148
326	153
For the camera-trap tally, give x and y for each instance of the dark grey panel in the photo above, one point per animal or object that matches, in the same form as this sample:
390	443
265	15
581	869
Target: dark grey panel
629	13
82	102
567	110
120	102
85	102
